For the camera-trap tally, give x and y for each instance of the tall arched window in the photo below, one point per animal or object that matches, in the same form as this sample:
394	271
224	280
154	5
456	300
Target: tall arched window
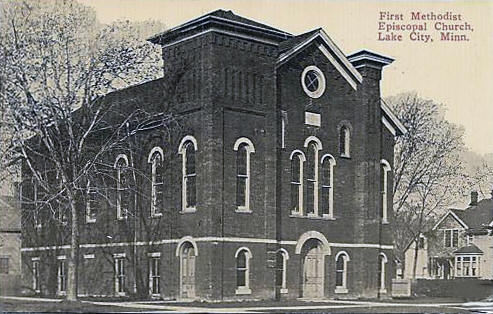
187	149
282	267
90	203
122	190
344	141
382	260
342	259
313	145
243	256
297	159
156	159
328	163
385	166
243	147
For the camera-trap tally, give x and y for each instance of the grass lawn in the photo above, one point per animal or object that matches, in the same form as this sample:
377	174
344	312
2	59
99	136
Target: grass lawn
61	306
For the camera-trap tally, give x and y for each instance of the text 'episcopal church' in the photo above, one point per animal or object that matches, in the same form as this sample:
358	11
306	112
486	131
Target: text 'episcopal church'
279	185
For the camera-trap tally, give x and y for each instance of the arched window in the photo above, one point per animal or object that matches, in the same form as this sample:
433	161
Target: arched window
328	163
243	147
90	203
297	159
342	259
344	141
382	260
243	256
385	166
187	149
313	145
282	267
122	189
156	158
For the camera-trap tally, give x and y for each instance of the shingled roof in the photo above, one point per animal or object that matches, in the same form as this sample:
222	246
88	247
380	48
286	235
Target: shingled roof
478	216
469	249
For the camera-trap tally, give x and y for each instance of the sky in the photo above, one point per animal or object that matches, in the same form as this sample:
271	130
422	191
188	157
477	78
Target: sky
458	74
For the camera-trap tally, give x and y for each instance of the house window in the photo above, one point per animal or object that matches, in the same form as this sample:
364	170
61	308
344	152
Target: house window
62	275
4	265
243	257
382	261
90	203
451	237
342	259
282	268
122	189
421	242
156	157
187	149
154	274
244	148
120	274
385	170
313	145
344	141
328	163
35	270
297	159
467	266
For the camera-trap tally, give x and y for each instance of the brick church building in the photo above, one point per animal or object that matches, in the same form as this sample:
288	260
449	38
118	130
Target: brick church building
280	185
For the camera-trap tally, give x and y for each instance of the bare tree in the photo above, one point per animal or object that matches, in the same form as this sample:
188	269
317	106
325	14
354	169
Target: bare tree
428	172
57	61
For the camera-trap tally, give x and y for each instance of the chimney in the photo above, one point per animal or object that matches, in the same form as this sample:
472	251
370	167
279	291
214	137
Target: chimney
474	198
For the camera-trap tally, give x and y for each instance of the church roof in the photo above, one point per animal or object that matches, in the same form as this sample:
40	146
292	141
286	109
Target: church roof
224	19
296	40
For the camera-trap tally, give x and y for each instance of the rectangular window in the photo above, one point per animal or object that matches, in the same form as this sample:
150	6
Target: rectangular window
4	265
120	275
36	275
62	276
154	275
451	237
467	266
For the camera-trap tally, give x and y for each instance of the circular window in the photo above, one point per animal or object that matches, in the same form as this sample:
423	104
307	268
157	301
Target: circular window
313	81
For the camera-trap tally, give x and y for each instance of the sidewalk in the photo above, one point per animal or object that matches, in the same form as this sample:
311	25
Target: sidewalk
40	304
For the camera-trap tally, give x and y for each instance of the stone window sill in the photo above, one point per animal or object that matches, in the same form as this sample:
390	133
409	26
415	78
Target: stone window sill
243	290
341	290
284	290
382	290
188	210
156	215
243	211
324	217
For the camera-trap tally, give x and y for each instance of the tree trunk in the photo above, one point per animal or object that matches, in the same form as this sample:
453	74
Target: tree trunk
415	263
74	250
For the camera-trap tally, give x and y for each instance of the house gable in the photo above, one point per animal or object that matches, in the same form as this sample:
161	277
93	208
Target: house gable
450	221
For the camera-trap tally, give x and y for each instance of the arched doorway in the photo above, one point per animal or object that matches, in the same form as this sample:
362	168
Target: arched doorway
187	271
313	263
